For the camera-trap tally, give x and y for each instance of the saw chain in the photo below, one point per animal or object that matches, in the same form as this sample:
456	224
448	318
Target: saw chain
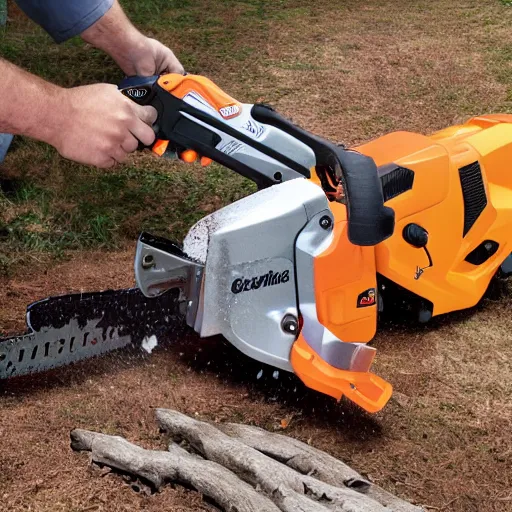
70	328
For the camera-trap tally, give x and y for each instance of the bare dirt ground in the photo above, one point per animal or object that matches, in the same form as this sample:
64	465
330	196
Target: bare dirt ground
350	71
443	440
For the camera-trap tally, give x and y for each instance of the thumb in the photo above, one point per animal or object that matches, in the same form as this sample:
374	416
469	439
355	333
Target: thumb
145	113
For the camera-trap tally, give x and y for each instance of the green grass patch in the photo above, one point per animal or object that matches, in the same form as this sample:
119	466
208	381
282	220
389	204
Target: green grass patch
499	61
65	206
150	13
207	36
50	206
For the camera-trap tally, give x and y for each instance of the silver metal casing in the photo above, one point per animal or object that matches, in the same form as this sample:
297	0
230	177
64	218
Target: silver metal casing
249	282
270	136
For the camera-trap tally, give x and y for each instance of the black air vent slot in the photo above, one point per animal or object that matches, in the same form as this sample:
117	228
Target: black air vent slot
473	192
483	252
395	180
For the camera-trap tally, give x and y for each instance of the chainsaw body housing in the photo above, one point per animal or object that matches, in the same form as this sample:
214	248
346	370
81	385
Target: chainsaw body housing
456	185
295	274
248	249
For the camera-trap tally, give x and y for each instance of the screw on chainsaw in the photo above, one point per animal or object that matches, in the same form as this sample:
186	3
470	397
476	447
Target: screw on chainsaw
148	261
325	222
290	324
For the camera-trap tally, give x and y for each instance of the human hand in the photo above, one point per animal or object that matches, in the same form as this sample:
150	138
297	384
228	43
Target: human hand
97	125
150	57
134	53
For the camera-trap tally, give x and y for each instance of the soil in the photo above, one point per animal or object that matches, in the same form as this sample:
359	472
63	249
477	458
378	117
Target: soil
443	441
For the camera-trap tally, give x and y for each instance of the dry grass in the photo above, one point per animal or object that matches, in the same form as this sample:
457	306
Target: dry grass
350	71
366	68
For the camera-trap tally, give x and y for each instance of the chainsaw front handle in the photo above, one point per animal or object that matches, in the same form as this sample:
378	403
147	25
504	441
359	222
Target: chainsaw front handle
370	222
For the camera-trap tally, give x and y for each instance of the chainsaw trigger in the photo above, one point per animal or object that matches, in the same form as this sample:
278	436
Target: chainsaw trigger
189	156
160	147
205	161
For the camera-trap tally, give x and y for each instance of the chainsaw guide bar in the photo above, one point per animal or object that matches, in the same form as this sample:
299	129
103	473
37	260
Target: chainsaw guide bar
70	328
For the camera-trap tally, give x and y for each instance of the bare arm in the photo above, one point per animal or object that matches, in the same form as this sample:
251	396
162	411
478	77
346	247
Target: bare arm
135	53
27	103
93	124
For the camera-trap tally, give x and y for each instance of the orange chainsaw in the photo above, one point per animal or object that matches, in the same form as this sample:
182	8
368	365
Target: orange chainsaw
295	274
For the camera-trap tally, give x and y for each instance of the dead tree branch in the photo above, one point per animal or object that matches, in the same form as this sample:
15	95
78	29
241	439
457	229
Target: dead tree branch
176	465
308	460
242	468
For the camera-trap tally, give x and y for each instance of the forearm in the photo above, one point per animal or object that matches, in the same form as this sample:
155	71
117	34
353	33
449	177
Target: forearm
91	124
134	53
114	34
29	105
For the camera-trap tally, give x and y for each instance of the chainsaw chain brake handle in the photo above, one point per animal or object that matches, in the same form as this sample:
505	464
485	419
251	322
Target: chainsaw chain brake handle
187	130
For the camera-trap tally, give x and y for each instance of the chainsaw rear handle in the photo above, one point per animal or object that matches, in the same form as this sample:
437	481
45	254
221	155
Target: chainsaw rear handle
140	90
186	127
183	133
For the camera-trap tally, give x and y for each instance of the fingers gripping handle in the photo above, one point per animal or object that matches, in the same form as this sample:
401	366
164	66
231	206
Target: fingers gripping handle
141	90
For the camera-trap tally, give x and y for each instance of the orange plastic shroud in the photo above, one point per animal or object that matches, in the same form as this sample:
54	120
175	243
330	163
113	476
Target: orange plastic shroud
436	201
346	275
180	86
364	388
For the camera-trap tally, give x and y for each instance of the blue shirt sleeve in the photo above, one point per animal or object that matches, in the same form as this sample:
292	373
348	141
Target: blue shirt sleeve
65	19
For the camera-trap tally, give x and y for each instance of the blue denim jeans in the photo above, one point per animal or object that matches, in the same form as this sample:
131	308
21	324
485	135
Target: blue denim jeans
5	142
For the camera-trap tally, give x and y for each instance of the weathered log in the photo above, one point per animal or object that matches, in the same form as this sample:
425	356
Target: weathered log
308	460
257	469
246	469
175	465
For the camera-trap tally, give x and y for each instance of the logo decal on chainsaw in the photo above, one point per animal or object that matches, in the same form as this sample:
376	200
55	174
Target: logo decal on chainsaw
233	146
137	93
367	298
229	111
254	128
269	279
